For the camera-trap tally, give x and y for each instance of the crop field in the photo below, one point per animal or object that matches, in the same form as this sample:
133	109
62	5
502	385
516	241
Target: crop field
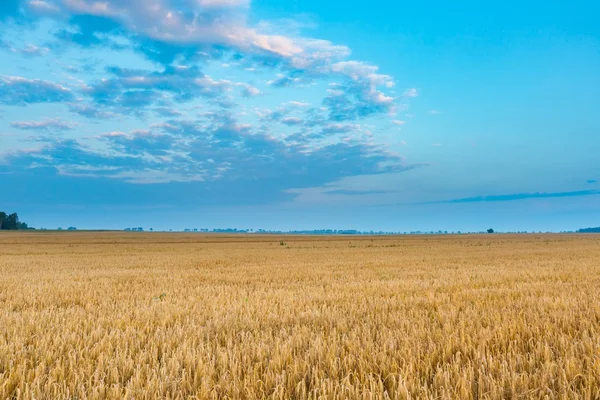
91	315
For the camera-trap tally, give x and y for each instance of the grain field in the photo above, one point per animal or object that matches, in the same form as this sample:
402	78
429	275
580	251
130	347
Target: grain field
88	315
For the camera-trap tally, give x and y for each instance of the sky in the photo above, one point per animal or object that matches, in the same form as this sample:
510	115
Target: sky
382	115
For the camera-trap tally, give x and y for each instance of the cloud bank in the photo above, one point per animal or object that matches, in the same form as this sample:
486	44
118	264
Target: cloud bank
178	116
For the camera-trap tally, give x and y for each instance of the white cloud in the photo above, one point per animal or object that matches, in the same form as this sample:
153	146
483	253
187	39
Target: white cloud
292	121
212	22
223	3
249	90
295	103
43	7
361	71
412	92
45	124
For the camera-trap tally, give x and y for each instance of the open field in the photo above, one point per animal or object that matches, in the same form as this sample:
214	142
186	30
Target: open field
144	316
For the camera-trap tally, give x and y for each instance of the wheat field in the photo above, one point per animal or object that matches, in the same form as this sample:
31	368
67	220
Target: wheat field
89	315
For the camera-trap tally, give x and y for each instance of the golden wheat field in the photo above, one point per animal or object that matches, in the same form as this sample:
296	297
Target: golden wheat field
88	315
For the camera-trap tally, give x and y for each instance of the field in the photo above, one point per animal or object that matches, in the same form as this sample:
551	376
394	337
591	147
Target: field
88	315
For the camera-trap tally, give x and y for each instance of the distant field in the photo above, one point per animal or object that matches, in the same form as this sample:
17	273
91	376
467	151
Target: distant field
145	316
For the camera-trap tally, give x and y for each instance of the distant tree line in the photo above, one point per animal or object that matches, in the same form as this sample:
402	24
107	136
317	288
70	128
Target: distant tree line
10	222
589	230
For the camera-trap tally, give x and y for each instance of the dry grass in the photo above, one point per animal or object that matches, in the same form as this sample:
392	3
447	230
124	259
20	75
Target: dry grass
82	316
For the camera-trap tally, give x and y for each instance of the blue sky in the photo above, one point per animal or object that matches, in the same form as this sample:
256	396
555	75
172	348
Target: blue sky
302	114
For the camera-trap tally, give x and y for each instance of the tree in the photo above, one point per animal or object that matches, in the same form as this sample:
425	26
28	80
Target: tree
11	222
490	230
589	230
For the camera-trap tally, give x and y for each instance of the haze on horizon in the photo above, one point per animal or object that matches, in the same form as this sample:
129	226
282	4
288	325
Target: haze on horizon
385	115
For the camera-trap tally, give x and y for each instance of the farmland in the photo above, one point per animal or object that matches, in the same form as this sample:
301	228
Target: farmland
92	315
